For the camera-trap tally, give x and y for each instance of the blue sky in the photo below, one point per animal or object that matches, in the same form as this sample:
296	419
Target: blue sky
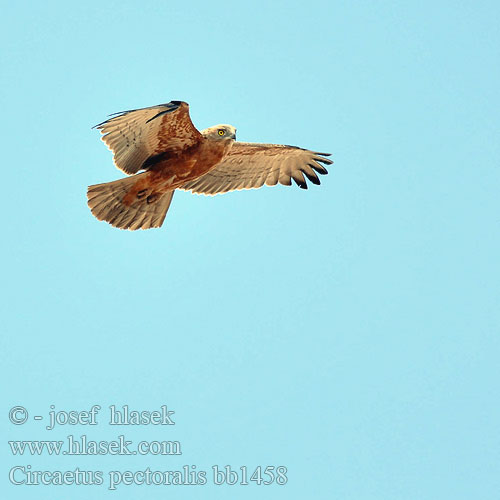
349	332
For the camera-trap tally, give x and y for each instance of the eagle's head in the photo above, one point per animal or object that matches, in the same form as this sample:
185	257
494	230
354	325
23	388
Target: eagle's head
220	133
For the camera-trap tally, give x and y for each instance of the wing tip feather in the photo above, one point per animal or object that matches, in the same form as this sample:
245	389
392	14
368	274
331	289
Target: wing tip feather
172	106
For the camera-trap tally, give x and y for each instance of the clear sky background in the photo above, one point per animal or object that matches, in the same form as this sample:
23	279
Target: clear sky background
349	332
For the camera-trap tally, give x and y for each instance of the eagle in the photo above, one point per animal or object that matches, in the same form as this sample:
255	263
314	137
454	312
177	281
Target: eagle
161	151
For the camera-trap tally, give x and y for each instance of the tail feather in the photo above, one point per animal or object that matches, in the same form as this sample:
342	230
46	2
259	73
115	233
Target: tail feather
106	203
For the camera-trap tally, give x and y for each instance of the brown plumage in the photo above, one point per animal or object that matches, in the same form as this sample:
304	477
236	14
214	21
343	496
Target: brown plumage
163	143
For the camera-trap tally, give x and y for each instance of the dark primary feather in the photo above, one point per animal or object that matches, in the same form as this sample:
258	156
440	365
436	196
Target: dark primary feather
170	106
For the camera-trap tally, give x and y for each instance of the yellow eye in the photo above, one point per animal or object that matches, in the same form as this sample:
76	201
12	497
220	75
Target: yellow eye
221	132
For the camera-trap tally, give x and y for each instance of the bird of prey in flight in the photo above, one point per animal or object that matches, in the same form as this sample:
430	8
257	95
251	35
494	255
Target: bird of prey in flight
162	144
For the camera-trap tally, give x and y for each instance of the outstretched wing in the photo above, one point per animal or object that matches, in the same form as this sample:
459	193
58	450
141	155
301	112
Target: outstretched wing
135	136
251	165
